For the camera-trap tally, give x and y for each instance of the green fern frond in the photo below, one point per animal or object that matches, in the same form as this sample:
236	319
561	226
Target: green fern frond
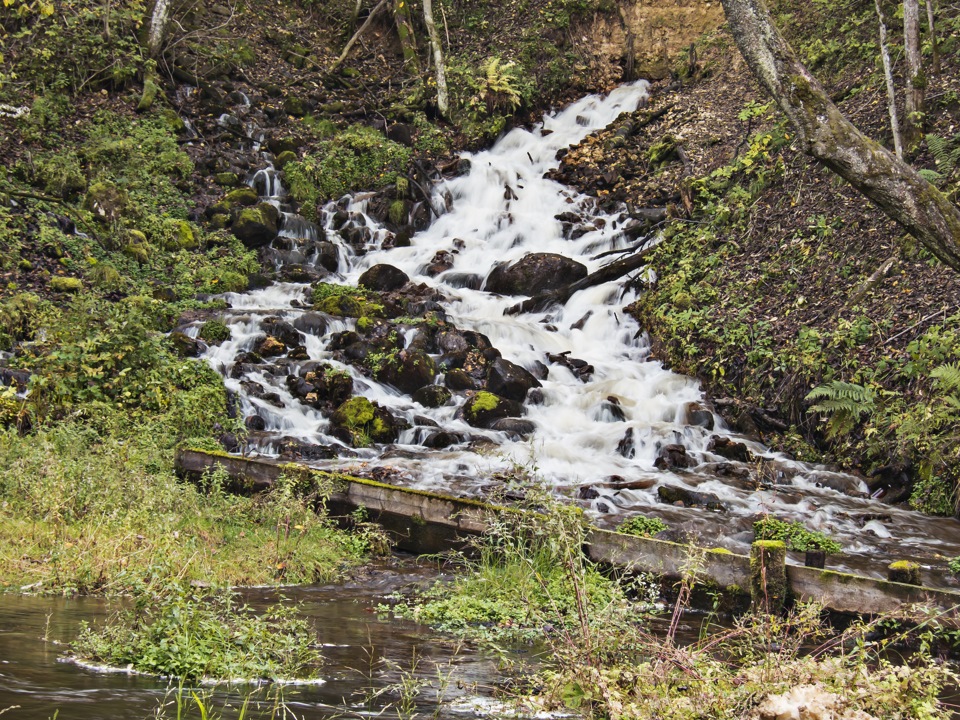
931	176
948	376
843	403
945	151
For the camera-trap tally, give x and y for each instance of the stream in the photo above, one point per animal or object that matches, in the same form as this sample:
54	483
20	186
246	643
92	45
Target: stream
600	415
364	653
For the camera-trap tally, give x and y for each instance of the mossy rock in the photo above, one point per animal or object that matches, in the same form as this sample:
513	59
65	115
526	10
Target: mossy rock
227	179
137	247
179	235
67	285
295	106
106	201
257	226
409	372
287	156
220	221
485	408
241	197
214	332
362	422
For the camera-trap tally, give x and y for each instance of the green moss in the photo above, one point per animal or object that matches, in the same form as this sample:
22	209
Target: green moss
68	285
484	401
356	412
214	332
642	526
794	535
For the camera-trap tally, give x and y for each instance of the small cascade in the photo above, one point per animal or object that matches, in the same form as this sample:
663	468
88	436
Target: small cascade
604	424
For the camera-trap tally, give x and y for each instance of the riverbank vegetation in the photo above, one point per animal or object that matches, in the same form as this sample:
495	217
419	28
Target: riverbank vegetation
607	648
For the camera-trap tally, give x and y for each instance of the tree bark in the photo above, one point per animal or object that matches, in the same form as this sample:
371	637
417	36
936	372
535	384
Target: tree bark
825	134
408	40
913	122
158	27
356	36
931	27
443	102
891	89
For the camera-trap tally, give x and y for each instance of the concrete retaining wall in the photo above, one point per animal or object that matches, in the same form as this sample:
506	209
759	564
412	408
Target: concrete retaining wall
427	522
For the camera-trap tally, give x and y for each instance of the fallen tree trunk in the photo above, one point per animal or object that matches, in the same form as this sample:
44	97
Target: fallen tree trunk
613	271
892	185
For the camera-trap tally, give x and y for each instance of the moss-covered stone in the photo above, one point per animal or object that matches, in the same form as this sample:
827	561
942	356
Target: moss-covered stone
241	197
227	179
904	571
257	226
106	201
214	332
287	156
768	575
66	284
294	106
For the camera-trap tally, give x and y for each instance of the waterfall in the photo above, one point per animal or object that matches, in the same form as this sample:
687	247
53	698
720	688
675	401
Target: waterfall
606	411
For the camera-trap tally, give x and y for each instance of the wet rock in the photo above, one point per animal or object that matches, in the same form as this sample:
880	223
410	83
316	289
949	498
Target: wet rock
361	422
509	380
485	408
299	273
432	396
311	323
581	369
280	329
441	262
383	278
327	255
295	449
268	346
516	428
535	396
610	410
442	439
699	415
230	442
627	446
410	371
327	386
256	226
186	346
460	379
846	484
298	353
673	457
588	492
677	495
729	449
535	273
255	423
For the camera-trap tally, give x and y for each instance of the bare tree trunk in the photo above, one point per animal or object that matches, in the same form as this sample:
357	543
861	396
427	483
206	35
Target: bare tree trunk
913	122
932	29
891	89
356	36
828	136
443	102
158	27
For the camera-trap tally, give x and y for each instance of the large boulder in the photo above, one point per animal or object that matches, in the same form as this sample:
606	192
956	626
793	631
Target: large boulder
383	278
257	226
509	380
281	329
484	409
535	273
360	422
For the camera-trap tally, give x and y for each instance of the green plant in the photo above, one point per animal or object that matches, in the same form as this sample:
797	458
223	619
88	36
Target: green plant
642	526
794	535
176	630
843	403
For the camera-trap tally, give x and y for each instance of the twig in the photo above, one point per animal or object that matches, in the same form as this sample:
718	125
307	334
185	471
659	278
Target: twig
356	36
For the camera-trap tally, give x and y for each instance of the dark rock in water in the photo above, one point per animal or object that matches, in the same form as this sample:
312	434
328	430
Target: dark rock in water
311	323
361	422
846	484
18	378
328	256
229	442
588	492
255	423
432	396
299	273
581	369
256	226
674	494
610	410
294	449
441	262
627	447
673	456
535	273
451	341
268	346
248	358
460	379
410	371
442	439
241	369
298	353
509	380
186	346
514	427
535	396
697	414
383	278
280	329
731	450
327	387
485	408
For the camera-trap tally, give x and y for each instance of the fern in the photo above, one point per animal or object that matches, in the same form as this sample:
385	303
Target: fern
843	403
945	151
948	376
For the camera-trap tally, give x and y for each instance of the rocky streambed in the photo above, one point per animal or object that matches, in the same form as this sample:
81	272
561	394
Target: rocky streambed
475	341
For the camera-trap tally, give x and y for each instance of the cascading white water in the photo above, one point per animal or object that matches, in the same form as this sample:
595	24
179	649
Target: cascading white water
605	432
